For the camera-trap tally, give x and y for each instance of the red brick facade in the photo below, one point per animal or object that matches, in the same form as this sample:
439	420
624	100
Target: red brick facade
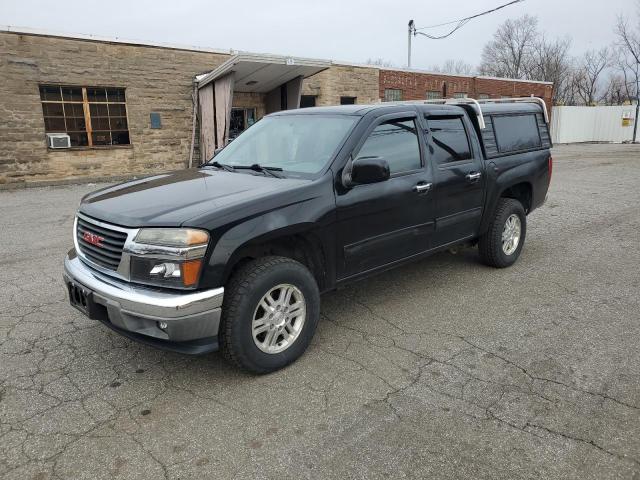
415	85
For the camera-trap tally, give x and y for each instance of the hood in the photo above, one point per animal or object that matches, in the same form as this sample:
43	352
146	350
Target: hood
172	199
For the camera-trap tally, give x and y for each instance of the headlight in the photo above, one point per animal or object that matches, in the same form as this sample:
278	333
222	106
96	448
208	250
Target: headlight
172	237
168	257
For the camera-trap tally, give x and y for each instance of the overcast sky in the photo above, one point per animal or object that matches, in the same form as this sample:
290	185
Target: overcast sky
346	30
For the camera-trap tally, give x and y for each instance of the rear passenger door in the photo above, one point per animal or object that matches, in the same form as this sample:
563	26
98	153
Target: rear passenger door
459	177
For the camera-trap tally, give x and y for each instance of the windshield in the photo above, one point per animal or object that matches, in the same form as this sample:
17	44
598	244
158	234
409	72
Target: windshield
298	144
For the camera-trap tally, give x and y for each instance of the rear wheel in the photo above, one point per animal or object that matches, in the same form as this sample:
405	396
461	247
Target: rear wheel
270	313
502	243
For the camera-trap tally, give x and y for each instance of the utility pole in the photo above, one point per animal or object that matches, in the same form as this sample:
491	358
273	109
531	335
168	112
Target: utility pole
635	124
409	44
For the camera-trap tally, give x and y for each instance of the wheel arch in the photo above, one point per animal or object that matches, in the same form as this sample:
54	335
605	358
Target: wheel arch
521	191
299	242
518	189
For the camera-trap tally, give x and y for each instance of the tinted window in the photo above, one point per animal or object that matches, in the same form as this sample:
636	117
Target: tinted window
516	132
449	139
397	142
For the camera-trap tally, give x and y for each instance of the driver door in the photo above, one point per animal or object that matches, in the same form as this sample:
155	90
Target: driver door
382	223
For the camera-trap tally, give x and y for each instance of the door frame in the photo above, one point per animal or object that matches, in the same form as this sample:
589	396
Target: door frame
425	168
476	159
420	126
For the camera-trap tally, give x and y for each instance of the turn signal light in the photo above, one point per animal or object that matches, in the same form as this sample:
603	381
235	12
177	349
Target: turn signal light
190	272
550	167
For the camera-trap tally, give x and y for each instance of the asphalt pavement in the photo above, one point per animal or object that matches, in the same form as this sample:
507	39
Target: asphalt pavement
441	369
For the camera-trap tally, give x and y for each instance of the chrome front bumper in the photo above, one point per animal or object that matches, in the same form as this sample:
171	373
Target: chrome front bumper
189	320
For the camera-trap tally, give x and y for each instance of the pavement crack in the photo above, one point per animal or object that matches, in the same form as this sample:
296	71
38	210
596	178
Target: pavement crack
583	441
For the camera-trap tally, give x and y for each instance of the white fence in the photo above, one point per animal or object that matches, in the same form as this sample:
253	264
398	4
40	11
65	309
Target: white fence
592	124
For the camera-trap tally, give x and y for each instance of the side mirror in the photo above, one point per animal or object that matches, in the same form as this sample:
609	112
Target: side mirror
217	151
369	170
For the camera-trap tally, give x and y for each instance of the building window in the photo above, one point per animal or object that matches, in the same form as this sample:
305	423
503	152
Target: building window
241	119
89	115
307	101
483	96
434	95
460	95
348	100
392	95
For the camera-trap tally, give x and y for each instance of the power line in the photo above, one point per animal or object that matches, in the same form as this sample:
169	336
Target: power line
459	23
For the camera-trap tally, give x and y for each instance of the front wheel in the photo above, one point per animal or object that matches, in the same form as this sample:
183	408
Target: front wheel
270	313
502	243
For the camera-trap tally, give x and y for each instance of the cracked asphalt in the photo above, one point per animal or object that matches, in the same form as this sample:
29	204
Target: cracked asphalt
440	369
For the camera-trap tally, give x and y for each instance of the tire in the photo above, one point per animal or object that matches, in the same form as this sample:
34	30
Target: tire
249	286
490	245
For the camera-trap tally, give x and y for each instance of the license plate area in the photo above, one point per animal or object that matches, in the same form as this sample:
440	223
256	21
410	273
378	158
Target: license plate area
80	298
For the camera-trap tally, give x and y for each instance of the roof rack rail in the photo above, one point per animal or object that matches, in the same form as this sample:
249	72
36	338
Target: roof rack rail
536	100
461	101
478	108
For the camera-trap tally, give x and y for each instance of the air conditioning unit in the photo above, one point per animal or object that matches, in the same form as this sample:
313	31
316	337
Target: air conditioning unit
58	140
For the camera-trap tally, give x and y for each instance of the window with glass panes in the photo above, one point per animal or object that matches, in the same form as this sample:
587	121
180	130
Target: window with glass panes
392	95
91	116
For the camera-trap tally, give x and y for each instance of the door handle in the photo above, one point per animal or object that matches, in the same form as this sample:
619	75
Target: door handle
473	177
422	187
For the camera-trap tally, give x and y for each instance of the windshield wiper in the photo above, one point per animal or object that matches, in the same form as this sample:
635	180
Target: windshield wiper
223	166
256	167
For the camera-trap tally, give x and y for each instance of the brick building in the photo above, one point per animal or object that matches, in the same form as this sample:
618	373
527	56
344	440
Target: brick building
128	108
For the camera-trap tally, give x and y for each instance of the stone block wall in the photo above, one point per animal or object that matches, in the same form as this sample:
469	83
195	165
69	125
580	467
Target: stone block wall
156	80
343	81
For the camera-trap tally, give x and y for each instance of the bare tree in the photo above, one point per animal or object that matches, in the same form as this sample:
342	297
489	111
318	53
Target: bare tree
615	92
550	61
519	50
628	37
508	53
628	61
569	94
627	71
589	74
629	41
379	62
456	67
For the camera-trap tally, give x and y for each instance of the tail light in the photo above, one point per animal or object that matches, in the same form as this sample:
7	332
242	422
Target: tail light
550	167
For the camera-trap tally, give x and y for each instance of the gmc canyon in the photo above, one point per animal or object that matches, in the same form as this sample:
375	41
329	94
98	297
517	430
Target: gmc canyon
234	255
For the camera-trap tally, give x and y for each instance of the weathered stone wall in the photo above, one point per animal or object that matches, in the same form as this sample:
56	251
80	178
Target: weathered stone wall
156	80
251	100
343	81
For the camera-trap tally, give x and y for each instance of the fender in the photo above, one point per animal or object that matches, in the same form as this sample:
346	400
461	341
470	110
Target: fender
314	216
503	173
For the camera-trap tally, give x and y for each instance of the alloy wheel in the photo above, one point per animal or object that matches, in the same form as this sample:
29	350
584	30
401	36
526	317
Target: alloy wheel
278	319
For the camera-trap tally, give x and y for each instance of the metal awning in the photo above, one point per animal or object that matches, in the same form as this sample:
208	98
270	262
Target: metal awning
262	73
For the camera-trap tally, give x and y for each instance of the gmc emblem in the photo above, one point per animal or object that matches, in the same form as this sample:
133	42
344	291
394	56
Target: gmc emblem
93	239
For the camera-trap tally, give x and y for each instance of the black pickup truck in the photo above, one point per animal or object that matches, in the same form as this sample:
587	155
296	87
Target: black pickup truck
235	254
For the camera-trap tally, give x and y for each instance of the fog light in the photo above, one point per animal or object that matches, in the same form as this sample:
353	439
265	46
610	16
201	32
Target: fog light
162	325
166	270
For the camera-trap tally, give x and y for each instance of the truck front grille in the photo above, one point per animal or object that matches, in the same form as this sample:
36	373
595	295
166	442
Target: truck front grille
100	244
